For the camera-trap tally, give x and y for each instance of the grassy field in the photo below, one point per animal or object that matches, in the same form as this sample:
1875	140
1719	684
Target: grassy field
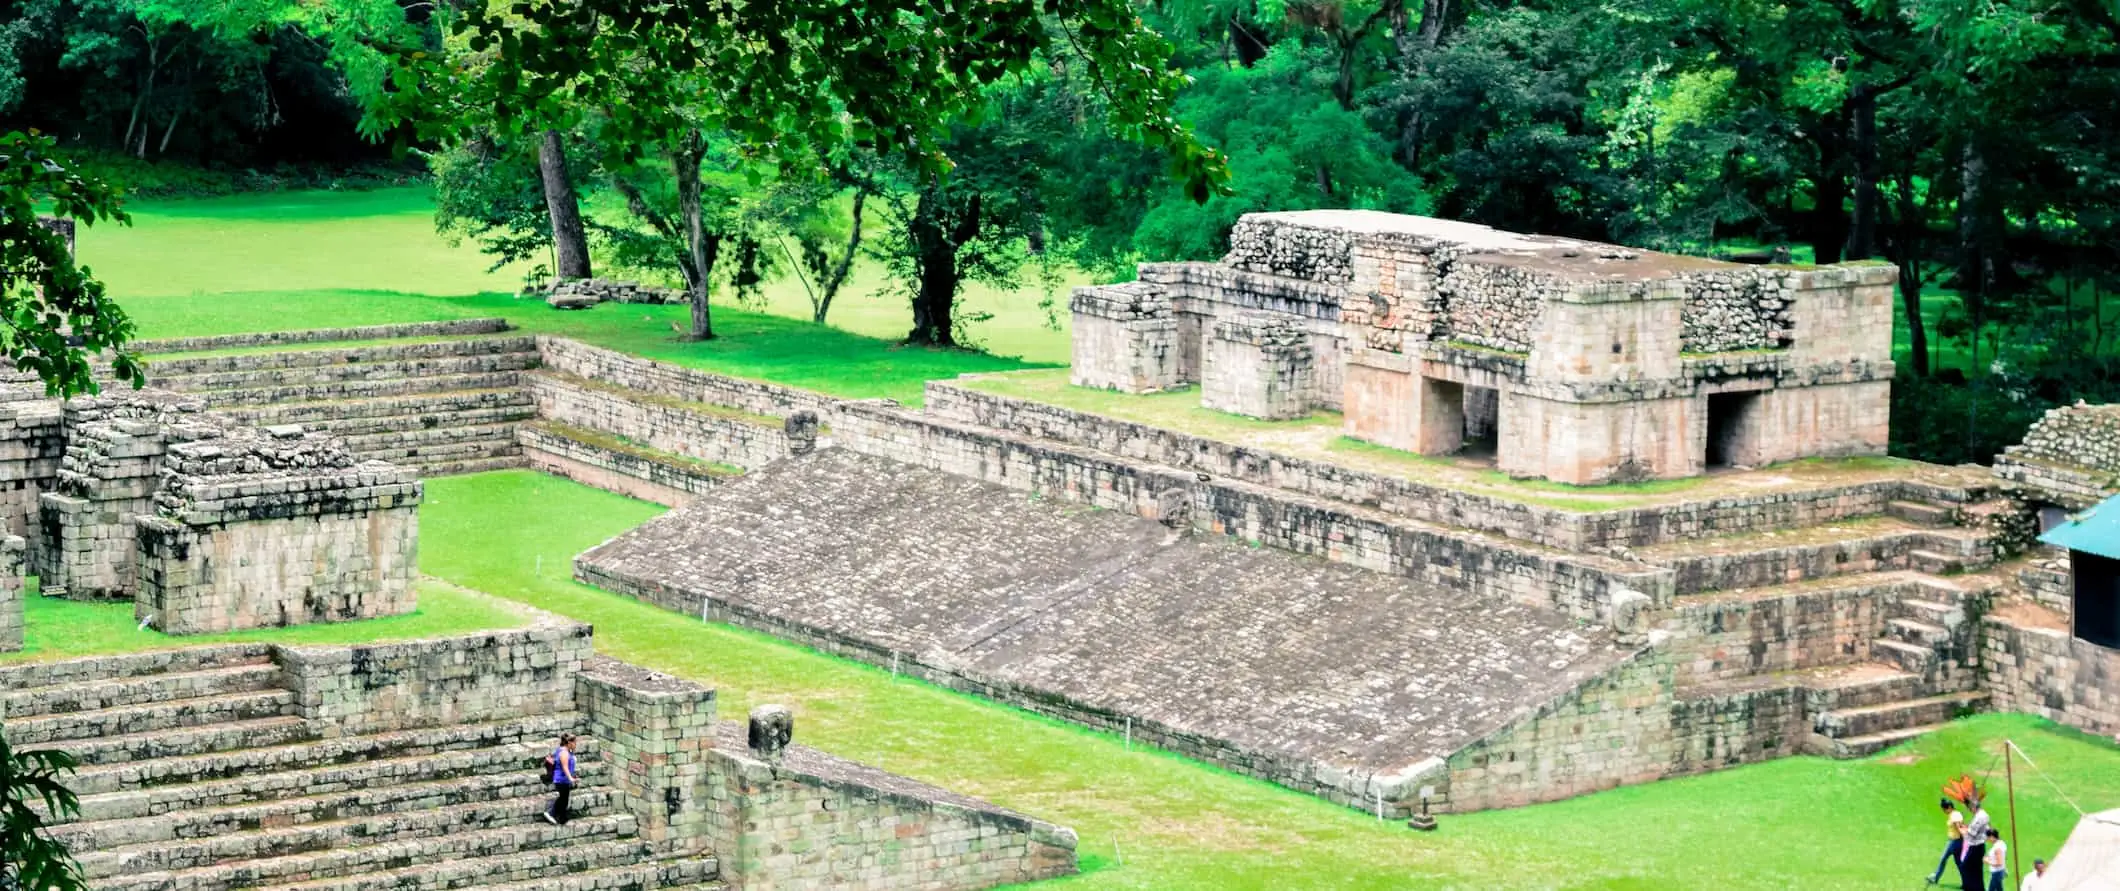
1150	820
64	629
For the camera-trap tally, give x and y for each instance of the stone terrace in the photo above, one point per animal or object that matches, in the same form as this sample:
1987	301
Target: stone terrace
1314	674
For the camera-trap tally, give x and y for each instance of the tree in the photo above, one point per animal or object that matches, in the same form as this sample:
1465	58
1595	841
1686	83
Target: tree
570	240
55	313
785	82
30	859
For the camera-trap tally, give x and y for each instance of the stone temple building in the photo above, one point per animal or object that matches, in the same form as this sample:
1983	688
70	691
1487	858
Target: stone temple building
1573	361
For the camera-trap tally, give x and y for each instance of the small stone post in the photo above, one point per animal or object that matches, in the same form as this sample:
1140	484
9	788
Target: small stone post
772	727
801	429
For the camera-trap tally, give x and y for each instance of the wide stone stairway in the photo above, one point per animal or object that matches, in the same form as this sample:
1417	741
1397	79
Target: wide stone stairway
196	776
443	405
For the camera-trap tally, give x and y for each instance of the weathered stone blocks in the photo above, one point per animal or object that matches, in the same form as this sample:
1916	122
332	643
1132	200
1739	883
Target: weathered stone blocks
1258	365
1125	338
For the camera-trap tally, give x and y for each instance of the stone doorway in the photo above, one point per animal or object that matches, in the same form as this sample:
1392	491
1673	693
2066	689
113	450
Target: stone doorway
1729	420
1483	411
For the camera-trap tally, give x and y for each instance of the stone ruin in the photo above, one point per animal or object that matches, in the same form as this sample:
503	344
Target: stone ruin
206	527
582	293
1573	361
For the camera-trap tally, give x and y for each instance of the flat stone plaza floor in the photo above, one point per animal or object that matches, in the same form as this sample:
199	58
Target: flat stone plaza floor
1238	647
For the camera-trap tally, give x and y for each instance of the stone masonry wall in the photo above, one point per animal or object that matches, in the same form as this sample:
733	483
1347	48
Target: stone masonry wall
657	735
2071	456
1257	365
694	430
1396	496
32	445
321	335
1477	564
1495	305
11	585
494	676
1125	338
1725	638
634	473
611	367
108	477
1313	254
1736	309
802	819
2039	668
266	528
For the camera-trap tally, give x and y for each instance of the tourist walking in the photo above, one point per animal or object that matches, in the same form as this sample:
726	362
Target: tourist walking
1998	868
1972	852
2036	880
559	771
1954	832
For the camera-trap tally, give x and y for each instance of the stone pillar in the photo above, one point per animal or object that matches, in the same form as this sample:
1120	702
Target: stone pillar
657	734
11	583
1380	398
1258	365
1125	338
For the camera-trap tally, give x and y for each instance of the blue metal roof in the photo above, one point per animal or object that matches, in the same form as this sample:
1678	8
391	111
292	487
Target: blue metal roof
2095	531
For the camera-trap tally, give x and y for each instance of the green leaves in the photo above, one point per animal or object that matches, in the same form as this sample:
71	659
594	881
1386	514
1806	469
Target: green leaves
30	860
54	315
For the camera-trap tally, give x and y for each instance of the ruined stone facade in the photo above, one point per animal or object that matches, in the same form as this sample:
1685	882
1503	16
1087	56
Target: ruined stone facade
2070	457
1587	363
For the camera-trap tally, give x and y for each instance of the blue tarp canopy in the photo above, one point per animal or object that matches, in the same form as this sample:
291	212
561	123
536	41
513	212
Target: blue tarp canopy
2095	531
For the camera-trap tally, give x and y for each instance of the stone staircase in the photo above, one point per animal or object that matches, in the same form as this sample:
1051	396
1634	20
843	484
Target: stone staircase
1912	573
196	776
442	405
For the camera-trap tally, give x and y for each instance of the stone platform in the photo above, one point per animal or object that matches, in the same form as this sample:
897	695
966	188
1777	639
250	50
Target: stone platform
1309	673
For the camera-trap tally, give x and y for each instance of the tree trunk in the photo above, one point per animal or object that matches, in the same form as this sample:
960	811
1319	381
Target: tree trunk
936	239
1911	225
837	277
569	240
163	147
1862	236
684	166
1973	260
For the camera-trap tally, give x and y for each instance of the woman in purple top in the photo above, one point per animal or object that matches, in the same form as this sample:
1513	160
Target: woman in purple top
560	767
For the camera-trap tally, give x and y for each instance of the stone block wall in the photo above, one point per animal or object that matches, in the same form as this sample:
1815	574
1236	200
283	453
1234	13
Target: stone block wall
264	529
2032	664
1495	305
1612	731
657	735
494	676
631	472
1257	365
2071	457
1203	293
12	581
695	430
661	379
32	447
801	819
452	327
1726	638
1744	308
108	478
1125	339
1577	584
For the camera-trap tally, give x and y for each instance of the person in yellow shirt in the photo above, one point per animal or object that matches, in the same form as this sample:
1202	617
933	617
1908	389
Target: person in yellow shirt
1954	828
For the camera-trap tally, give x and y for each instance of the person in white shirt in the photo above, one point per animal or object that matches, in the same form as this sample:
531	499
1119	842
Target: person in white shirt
1998	863
2036	880
1972	853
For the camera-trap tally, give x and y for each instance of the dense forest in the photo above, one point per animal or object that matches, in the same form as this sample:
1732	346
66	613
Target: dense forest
1970	143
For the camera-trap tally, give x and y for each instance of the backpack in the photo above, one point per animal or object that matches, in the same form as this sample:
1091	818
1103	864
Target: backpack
550	768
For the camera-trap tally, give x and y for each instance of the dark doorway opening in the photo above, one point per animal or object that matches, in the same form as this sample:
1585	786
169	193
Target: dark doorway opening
2097	606
1727	413
1483	421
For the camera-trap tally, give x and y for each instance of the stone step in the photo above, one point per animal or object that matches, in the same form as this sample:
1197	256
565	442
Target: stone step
24	678
1936	562
298	752
151	751
363	389
437	856
430	470
1929	612
333	415
1922	513
1860	685
1918	633
1865	746
470	450
126	720
332	375
1910	658
138	690
537	868
398	425
291	798
281	841
370	443
654	874
1886	717
179	365
1760	560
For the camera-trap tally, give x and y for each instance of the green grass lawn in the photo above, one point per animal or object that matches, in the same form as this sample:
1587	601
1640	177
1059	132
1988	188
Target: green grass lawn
1151	820
64	629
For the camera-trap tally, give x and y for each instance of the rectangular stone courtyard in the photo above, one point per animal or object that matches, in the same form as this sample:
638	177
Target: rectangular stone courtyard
1311	673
